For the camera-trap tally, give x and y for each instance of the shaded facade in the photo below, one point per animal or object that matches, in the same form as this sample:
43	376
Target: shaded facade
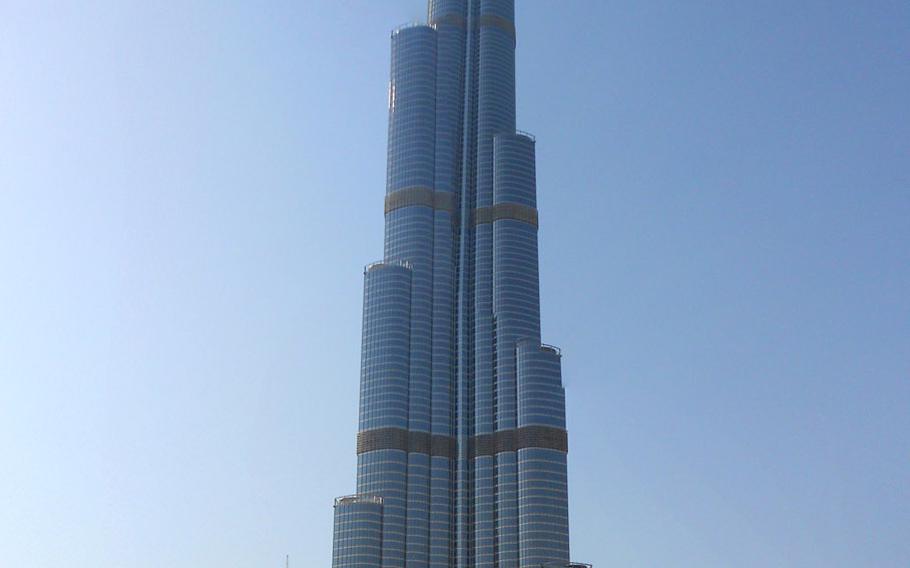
461	445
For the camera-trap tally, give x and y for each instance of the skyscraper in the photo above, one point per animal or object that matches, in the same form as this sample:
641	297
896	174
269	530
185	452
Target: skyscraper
461	448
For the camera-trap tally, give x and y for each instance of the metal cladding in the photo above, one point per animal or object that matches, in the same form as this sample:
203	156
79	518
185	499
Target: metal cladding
461	448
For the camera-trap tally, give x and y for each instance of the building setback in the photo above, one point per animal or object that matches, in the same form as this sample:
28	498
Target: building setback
461	445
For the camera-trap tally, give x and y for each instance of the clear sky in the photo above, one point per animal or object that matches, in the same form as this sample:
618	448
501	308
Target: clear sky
189	191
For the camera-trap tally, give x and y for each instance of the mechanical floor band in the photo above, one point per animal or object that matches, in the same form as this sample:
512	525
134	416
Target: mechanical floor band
486	20
545	437
498	22
450	19
425	196
505	211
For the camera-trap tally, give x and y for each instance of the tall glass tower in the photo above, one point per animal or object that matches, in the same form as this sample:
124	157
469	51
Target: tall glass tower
461	448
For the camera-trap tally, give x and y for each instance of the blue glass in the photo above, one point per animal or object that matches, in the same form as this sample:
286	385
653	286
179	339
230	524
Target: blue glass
358	533
385	363
461	443
447	16
543	502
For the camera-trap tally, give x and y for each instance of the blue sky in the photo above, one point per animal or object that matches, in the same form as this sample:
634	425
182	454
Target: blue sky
189	191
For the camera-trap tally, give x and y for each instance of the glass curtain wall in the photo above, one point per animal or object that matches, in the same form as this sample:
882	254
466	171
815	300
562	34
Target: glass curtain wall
461	443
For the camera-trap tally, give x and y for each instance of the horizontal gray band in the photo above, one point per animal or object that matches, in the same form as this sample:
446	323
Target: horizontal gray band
443	446
545	437
451	19
442	200
505	211
406	441
486	20
498	22
382	439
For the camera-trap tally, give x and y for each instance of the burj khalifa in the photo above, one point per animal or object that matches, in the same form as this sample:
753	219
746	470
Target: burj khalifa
462	442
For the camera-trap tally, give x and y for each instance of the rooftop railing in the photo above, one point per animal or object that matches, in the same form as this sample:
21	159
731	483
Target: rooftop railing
408	26
558	351
354	499
528	134
383	263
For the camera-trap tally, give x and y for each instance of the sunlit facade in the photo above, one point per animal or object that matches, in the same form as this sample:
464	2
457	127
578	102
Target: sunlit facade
462	443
